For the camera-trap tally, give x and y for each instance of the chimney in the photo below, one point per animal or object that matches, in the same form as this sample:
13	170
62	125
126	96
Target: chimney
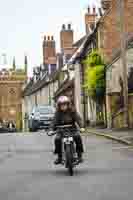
66	37
90	19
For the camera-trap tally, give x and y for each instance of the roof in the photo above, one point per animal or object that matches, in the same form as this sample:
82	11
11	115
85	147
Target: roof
79	42
40	83
64	86
32	88
77	53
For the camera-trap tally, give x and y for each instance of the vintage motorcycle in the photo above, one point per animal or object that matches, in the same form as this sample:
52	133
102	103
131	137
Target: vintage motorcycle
69	156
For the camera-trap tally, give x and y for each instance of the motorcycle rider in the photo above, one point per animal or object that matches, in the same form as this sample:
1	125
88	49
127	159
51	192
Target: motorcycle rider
66	115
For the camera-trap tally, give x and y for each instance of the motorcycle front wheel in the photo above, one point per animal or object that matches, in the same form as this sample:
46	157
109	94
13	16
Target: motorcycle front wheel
69	159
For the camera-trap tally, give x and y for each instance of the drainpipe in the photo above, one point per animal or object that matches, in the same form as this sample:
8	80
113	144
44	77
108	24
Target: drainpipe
49	96
84	97
36	99
106	120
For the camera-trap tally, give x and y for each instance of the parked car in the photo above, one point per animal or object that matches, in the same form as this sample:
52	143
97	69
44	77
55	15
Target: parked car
41	117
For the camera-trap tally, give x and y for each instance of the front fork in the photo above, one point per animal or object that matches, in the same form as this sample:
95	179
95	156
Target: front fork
70	142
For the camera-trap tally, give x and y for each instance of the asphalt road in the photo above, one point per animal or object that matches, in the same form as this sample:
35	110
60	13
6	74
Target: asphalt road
27	171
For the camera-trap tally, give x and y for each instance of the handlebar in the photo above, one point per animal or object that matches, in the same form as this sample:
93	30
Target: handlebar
61	128
64	126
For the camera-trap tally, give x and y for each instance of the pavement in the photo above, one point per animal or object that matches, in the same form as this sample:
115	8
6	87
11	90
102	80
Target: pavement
122	136
27	171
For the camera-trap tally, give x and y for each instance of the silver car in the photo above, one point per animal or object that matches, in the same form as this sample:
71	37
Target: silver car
41	117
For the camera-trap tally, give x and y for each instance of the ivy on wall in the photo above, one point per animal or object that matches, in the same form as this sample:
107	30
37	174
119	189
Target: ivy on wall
94	75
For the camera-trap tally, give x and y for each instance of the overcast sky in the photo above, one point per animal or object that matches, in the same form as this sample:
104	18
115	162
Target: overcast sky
25	22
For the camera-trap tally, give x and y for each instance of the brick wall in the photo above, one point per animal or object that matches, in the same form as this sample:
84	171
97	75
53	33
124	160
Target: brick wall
110	28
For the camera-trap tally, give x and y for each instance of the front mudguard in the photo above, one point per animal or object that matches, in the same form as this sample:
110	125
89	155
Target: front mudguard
69	155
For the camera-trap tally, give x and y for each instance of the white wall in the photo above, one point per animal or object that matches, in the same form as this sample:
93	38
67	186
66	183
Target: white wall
92	110
44	95
56	86
27	104
78	98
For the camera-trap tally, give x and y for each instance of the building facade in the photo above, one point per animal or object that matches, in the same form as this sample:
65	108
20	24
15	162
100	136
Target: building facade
110	44
114	89
12	82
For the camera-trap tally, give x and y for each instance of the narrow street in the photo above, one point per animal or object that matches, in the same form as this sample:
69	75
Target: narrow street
27	171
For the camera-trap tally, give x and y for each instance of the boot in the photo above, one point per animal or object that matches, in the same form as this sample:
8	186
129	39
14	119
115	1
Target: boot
58	160
80	158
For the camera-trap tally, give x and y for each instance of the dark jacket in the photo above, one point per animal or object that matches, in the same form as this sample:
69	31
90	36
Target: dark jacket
68	117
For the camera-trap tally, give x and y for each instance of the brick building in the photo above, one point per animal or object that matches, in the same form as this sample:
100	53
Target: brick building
114	89
109	42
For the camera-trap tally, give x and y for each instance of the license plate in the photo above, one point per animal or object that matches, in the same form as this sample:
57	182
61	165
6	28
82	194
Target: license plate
67	142
46	122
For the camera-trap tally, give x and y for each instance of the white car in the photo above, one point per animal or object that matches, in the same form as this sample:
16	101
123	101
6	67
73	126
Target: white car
41	117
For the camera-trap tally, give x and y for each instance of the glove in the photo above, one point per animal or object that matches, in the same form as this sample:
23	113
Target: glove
50	133
82	130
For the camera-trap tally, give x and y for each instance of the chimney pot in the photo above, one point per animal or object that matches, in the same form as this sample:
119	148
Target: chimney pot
88	9
48	37
44	37
63	27
94	10
52	37
69	26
